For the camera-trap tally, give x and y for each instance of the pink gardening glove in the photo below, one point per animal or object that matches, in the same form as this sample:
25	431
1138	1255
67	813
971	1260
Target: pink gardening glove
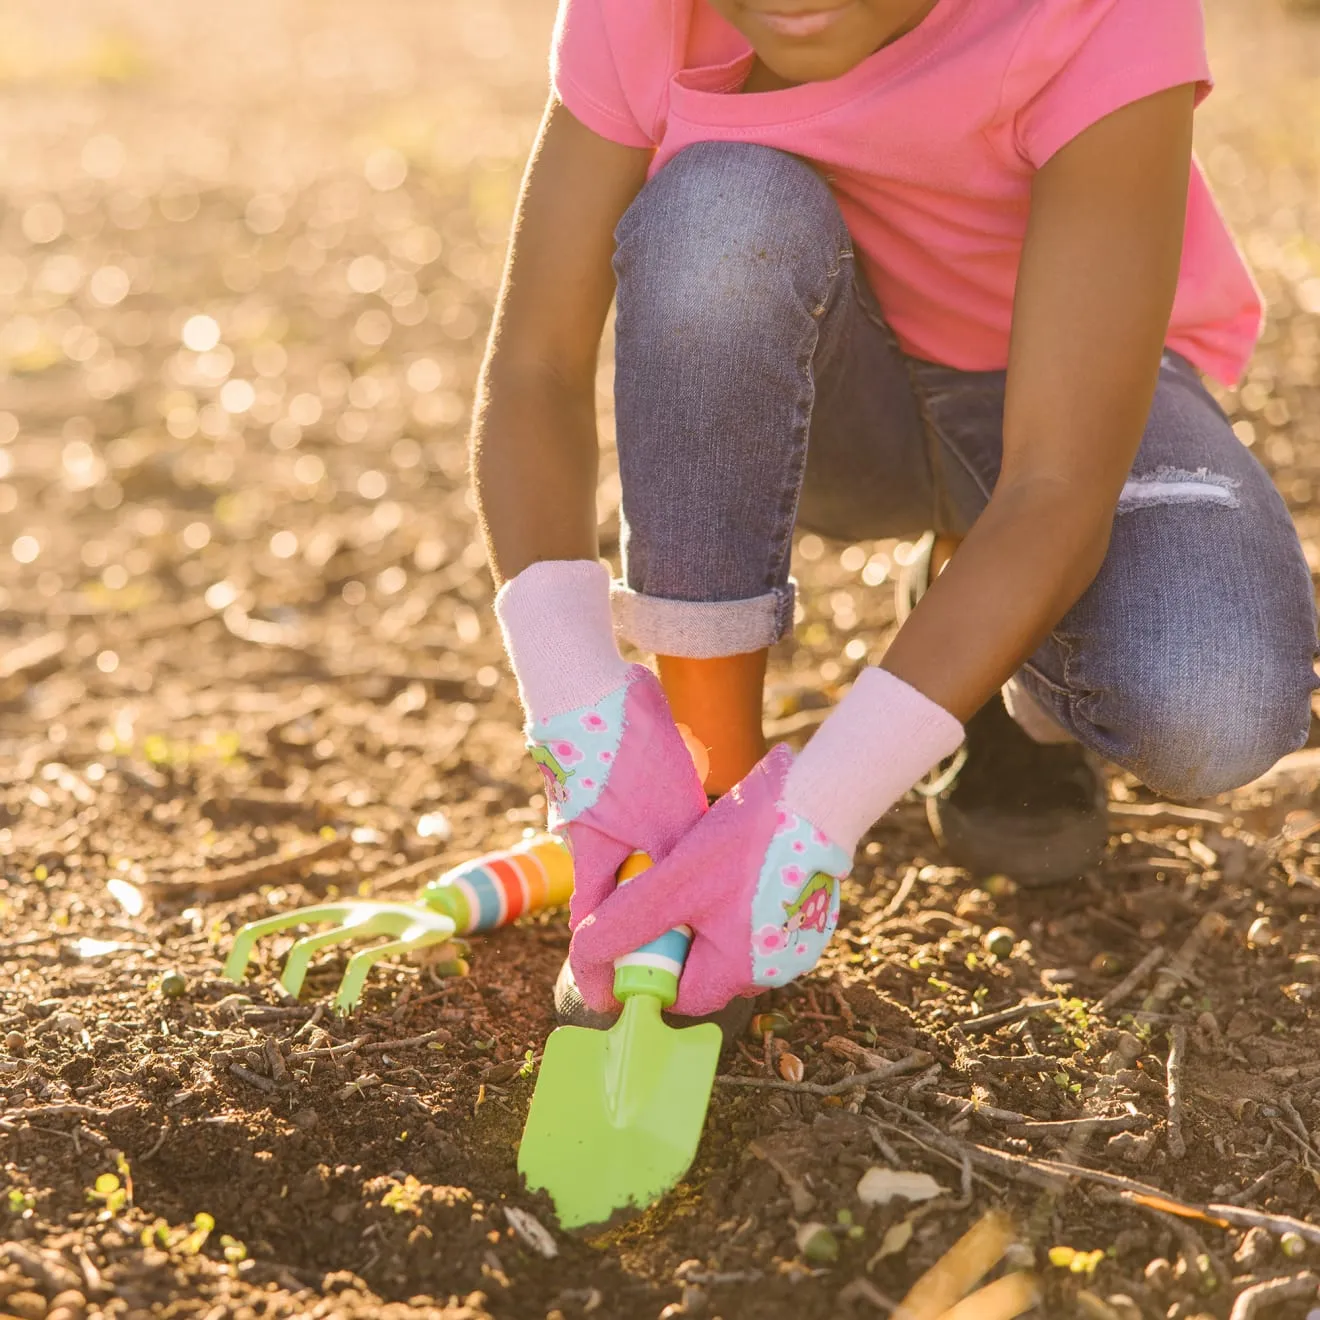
618	776
757	878
757	883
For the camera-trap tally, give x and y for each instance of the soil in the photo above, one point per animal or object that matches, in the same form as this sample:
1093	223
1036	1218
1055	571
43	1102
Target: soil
247	258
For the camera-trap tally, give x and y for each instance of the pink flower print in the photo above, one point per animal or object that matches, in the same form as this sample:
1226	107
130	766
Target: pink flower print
588	783
771	972
605	757
784	820
793	876
769	939
820	838
566	753
799	949
594	723
799	846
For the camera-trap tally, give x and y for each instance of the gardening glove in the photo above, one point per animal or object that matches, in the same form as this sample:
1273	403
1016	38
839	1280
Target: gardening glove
618	776
757	878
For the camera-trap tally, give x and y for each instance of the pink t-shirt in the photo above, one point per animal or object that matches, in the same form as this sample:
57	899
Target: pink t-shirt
930	144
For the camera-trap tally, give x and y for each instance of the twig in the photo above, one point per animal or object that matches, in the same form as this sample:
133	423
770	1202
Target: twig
1165	813
901	895
1276	1224
279	1070
1021	1125
252	1078
1252	1190
1270	1293
1177	1052
917	1059
1132	980
156	1145
970	1105
975	1026
326	1052
1012	1064
413	1042
1081	1126
54	1111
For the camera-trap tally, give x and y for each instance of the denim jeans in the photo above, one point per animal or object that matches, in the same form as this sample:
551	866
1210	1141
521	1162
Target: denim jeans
758	388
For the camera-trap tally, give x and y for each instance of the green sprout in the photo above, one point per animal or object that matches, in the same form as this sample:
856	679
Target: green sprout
20	1203
110	1192
405	1198
196	1240
1077	1262
529	1064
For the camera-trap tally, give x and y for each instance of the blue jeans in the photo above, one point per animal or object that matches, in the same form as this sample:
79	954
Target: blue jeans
758	388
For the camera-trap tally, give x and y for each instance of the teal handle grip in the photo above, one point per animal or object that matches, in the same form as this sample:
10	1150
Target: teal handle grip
653	969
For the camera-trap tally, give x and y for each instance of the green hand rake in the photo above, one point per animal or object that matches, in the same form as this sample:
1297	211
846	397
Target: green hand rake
479	895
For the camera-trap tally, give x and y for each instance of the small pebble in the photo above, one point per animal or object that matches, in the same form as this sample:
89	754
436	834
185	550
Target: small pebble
67	1024
26	1305
1254	1249
1307	966
16	1044
791	1068
1159	1274
173	985
1208	1023
1000	941
1107	964
1258	935
69	1305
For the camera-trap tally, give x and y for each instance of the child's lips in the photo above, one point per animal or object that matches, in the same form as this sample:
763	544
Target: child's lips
803	22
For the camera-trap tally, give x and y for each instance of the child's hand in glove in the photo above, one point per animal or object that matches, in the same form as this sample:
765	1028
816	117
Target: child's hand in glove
618	776
757	877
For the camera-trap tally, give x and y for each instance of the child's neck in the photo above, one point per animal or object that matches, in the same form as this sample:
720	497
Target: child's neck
763	79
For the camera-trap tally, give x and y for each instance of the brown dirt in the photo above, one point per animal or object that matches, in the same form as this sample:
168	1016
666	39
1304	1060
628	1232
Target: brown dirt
250	621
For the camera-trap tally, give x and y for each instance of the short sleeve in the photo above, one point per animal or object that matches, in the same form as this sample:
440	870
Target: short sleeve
586	76
1081	60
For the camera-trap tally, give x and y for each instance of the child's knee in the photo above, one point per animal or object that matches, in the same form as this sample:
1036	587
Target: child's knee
725	236
1204	724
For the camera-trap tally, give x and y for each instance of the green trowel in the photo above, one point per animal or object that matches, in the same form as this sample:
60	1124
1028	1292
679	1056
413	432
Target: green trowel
616	1115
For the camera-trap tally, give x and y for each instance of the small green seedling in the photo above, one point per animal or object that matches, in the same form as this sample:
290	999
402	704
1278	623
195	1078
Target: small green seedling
1077	1262
20	1203
203	1224
110	1192
405	1198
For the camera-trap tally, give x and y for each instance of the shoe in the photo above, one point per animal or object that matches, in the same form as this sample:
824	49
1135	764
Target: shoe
1035	812
571	1010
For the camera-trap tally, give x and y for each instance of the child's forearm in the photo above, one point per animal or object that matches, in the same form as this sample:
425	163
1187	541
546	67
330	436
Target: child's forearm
1028	558
534	458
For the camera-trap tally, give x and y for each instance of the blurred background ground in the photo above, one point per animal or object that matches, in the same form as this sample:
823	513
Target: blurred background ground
247	260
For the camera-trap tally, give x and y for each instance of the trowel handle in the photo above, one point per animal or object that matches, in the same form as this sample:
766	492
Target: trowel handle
653	969
500	886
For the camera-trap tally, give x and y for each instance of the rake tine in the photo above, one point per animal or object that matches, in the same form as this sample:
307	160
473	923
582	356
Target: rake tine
248	935
361	963
295	967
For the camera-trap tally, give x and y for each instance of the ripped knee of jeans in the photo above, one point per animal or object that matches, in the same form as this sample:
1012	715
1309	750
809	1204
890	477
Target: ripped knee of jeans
1170	485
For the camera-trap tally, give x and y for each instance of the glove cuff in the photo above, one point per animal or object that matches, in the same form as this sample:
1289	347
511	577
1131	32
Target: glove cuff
883	736
559	635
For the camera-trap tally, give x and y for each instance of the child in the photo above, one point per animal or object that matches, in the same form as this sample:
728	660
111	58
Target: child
880	266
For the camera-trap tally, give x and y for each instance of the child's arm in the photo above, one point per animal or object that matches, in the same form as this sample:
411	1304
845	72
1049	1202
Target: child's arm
1094	295
534	441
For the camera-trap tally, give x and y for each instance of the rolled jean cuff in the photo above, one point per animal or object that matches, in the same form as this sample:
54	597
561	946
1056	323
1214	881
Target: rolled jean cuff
702	629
